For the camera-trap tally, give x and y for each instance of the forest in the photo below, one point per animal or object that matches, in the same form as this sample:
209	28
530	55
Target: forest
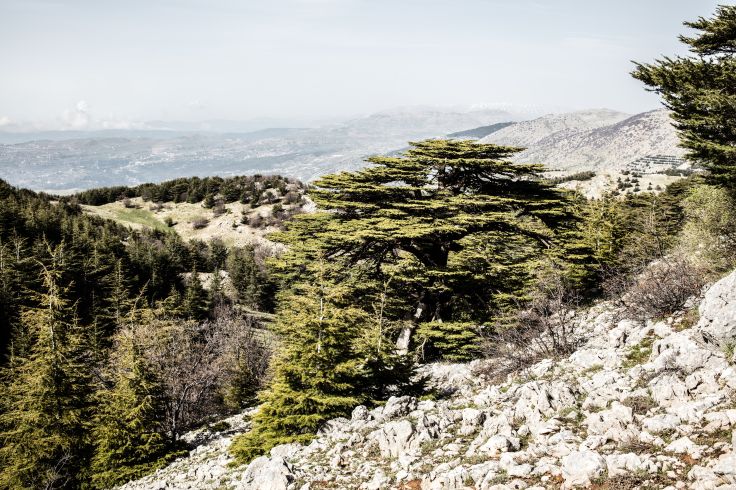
114	342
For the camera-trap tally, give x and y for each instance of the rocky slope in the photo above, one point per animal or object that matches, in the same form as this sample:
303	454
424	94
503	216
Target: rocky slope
591	140
530	133
641	404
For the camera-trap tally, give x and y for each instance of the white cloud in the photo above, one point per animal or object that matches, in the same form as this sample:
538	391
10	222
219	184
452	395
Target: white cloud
78	118
5	121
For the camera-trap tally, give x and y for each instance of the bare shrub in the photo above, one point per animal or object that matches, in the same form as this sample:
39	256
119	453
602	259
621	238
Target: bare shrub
128	204
541	328
291	197
658	290
219	209
200	223
205	368
256	221
156	206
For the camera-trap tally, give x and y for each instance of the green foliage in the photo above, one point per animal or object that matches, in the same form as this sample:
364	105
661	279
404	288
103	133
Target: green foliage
459	341
576	177
196	302
432	215
128	435
317	372
701	91
191	189
246	276
709	232
45	403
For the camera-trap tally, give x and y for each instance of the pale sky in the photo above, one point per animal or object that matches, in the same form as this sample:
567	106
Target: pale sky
81	63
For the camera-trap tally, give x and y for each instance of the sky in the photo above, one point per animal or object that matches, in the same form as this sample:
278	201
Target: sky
82	64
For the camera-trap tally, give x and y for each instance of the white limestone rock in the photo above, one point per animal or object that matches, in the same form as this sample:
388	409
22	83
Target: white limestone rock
579	468
717	324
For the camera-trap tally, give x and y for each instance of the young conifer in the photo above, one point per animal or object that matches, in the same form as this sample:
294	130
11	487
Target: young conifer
128	434
46	393
317	371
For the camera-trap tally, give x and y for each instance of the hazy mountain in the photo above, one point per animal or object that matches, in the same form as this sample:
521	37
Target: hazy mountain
591	139
594	140
113	157
529	133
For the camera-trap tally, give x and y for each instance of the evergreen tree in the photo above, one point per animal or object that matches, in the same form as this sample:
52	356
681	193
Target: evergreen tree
43	441
317	371
195	304
217	295
128	435
245	276
701	92
427	209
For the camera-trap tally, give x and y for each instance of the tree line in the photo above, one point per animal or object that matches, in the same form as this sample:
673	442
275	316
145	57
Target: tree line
248	189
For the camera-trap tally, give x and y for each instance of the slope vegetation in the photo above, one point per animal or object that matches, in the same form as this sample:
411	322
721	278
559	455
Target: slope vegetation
640	404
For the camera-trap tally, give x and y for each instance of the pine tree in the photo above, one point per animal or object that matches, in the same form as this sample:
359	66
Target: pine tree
246	276
195	304
317	371
425	212
43	440
701	92
217	295
128	434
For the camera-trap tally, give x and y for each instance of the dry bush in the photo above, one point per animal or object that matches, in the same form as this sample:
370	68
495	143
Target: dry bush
219	209
256	221
200	223
128	204
541	328
200	365
291	197
660	289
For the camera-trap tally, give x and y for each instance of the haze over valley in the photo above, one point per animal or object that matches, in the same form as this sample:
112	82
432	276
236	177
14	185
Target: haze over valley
600	140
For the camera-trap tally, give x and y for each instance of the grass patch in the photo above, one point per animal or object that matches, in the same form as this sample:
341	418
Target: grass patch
592	369
639	404
729	350
140	217
639	353
688	320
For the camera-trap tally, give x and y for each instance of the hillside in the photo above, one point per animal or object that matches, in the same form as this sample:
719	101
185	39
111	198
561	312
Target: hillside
604	141
640	404
238	225
527	134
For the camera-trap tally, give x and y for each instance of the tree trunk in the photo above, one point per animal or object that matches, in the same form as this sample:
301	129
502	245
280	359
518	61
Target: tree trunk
402	343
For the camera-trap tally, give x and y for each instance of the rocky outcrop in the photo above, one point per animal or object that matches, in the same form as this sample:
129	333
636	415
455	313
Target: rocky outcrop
640	405
718	313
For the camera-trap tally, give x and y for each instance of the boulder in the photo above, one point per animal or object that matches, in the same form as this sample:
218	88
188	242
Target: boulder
579	468
615	424
621	464
393	439
265	473
684	445
725	467
398	406
717	323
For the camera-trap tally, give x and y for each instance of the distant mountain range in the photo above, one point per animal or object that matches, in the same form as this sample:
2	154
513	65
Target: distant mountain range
66	161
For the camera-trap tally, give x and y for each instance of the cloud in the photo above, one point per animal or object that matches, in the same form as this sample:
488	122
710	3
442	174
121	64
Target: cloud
5	121
196	105
78	118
